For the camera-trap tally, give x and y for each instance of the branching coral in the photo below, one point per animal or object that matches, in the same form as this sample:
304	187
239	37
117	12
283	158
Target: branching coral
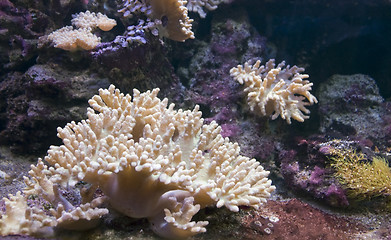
363	178
71	39
69	207
276	90
150	161
19	218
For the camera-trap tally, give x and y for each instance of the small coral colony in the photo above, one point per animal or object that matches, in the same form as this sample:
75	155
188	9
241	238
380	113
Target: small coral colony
141	156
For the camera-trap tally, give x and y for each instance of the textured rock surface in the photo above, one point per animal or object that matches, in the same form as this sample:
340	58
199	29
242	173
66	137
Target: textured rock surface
34	104
307	170
350	105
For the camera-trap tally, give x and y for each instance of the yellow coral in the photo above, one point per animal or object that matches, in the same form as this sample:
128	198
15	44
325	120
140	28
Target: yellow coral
362	178
276	90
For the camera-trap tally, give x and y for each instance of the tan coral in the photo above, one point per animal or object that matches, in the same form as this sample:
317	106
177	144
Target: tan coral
64	38
86	216
93	20
276	90
154	162
176	24
46	183
19	218
169	16
71	39
150	161
85	39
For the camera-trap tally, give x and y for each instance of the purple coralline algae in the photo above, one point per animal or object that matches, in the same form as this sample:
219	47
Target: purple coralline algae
306	170
19	30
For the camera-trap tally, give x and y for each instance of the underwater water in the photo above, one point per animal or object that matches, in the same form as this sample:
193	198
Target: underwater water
302	87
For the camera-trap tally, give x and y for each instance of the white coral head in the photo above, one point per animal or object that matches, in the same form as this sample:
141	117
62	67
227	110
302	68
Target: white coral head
276	90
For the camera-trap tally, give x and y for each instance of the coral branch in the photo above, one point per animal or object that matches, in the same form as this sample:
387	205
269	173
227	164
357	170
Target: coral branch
276	90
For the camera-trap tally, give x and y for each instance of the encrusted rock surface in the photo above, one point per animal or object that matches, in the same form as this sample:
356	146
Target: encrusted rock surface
351	106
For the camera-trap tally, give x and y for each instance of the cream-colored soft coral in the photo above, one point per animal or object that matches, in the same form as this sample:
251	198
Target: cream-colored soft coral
154	162
19	218
149	160
35	220
93	20
276	90
71	39
70	206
